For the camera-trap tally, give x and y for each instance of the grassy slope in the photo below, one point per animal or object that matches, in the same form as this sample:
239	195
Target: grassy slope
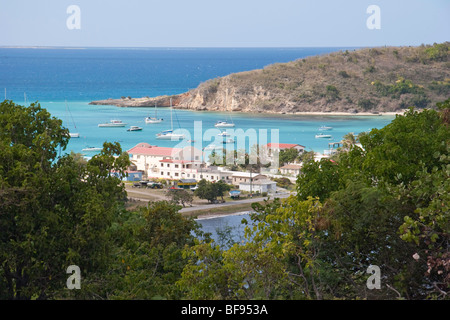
373	79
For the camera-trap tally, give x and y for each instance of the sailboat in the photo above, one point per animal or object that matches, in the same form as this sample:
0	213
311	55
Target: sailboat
153	119
169	134
72	134
224	123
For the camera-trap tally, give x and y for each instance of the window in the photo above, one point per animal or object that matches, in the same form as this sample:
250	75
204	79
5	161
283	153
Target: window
176	174
162	164
176	166
168	165
162	173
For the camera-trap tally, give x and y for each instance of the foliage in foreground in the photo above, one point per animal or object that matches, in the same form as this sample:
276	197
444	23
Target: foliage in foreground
385	204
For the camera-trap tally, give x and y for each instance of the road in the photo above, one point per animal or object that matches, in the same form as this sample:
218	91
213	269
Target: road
231	203
133	193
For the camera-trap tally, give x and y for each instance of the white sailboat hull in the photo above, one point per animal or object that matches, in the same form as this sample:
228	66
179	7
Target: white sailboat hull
153	120
170	137
224	125
74	135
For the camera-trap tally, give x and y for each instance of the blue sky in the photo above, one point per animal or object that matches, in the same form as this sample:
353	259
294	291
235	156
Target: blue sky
227	23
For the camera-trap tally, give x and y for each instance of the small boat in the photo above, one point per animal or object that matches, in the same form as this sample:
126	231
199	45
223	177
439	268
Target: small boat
113	123
72	134
134	128
91	149
169	134
154	119
322	135
212	147
325	128
229	140
224	134
223	124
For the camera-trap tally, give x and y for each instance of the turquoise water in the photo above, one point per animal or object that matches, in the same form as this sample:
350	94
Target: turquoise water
52	76
289	128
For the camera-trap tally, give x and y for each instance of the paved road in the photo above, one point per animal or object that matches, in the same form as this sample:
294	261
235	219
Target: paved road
231	203
204	206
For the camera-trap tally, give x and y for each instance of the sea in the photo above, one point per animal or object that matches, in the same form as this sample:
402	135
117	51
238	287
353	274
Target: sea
66	80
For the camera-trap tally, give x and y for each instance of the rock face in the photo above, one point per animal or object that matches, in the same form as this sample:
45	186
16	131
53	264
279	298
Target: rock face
384	79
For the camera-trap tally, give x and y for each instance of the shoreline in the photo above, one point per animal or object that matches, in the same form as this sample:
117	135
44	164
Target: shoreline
137	101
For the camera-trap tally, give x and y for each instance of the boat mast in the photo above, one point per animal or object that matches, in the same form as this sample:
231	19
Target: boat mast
171	122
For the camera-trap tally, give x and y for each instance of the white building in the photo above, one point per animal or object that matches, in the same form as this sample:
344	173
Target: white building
166	163
259	186
291	169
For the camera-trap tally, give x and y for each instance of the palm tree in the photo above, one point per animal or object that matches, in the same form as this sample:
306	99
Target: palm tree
348	141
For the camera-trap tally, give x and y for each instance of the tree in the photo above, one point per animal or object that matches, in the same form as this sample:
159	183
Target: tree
148	251
55	212
211	190
287	156
182	197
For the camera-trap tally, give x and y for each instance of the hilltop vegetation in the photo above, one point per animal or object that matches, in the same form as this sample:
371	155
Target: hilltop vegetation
383	79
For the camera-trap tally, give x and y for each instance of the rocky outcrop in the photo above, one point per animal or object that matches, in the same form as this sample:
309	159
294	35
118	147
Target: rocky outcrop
367	80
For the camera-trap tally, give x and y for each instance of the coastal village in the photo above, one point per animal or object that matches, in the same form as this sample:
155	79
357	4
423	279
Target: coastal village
154	168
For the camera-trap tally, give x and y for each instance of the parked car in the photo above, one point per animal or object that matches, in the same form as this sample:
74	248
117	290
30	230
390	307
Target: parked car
154	185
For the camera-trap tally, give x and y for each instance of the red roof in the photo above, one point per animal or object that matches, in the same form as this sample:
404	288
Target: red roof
149	150
283	145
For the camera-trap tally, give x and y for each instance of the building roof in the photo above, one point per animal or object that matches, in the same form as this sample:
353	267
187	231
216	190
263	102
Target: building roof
179	161
247	174
291	166
149	150
260	182
283	145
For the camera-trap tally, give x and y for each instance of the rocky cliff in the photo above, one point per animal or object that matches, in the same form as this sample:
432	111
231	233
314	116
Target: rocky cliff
383	79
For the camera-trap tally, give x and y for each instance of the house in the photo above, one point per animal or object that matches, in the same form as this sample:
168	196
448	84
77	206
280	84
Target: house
246	177
277	147
259	186
166	163
291	169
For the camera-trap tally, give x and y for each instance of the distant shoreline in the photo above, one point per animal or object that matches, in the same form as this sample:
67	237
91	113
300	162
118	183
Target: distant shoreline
149	103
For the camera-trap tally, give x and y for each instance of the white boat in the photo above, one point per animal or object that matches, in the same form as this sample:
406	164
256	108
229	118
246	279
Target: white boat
72	134
223	124
229	140
169	134
212	147
323	135
134	128
224	134
113	124
325	128
154	119
91	149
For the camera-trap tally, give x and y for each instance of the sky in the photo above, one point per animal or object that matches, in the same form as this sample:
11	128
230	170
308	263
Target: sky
227	23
